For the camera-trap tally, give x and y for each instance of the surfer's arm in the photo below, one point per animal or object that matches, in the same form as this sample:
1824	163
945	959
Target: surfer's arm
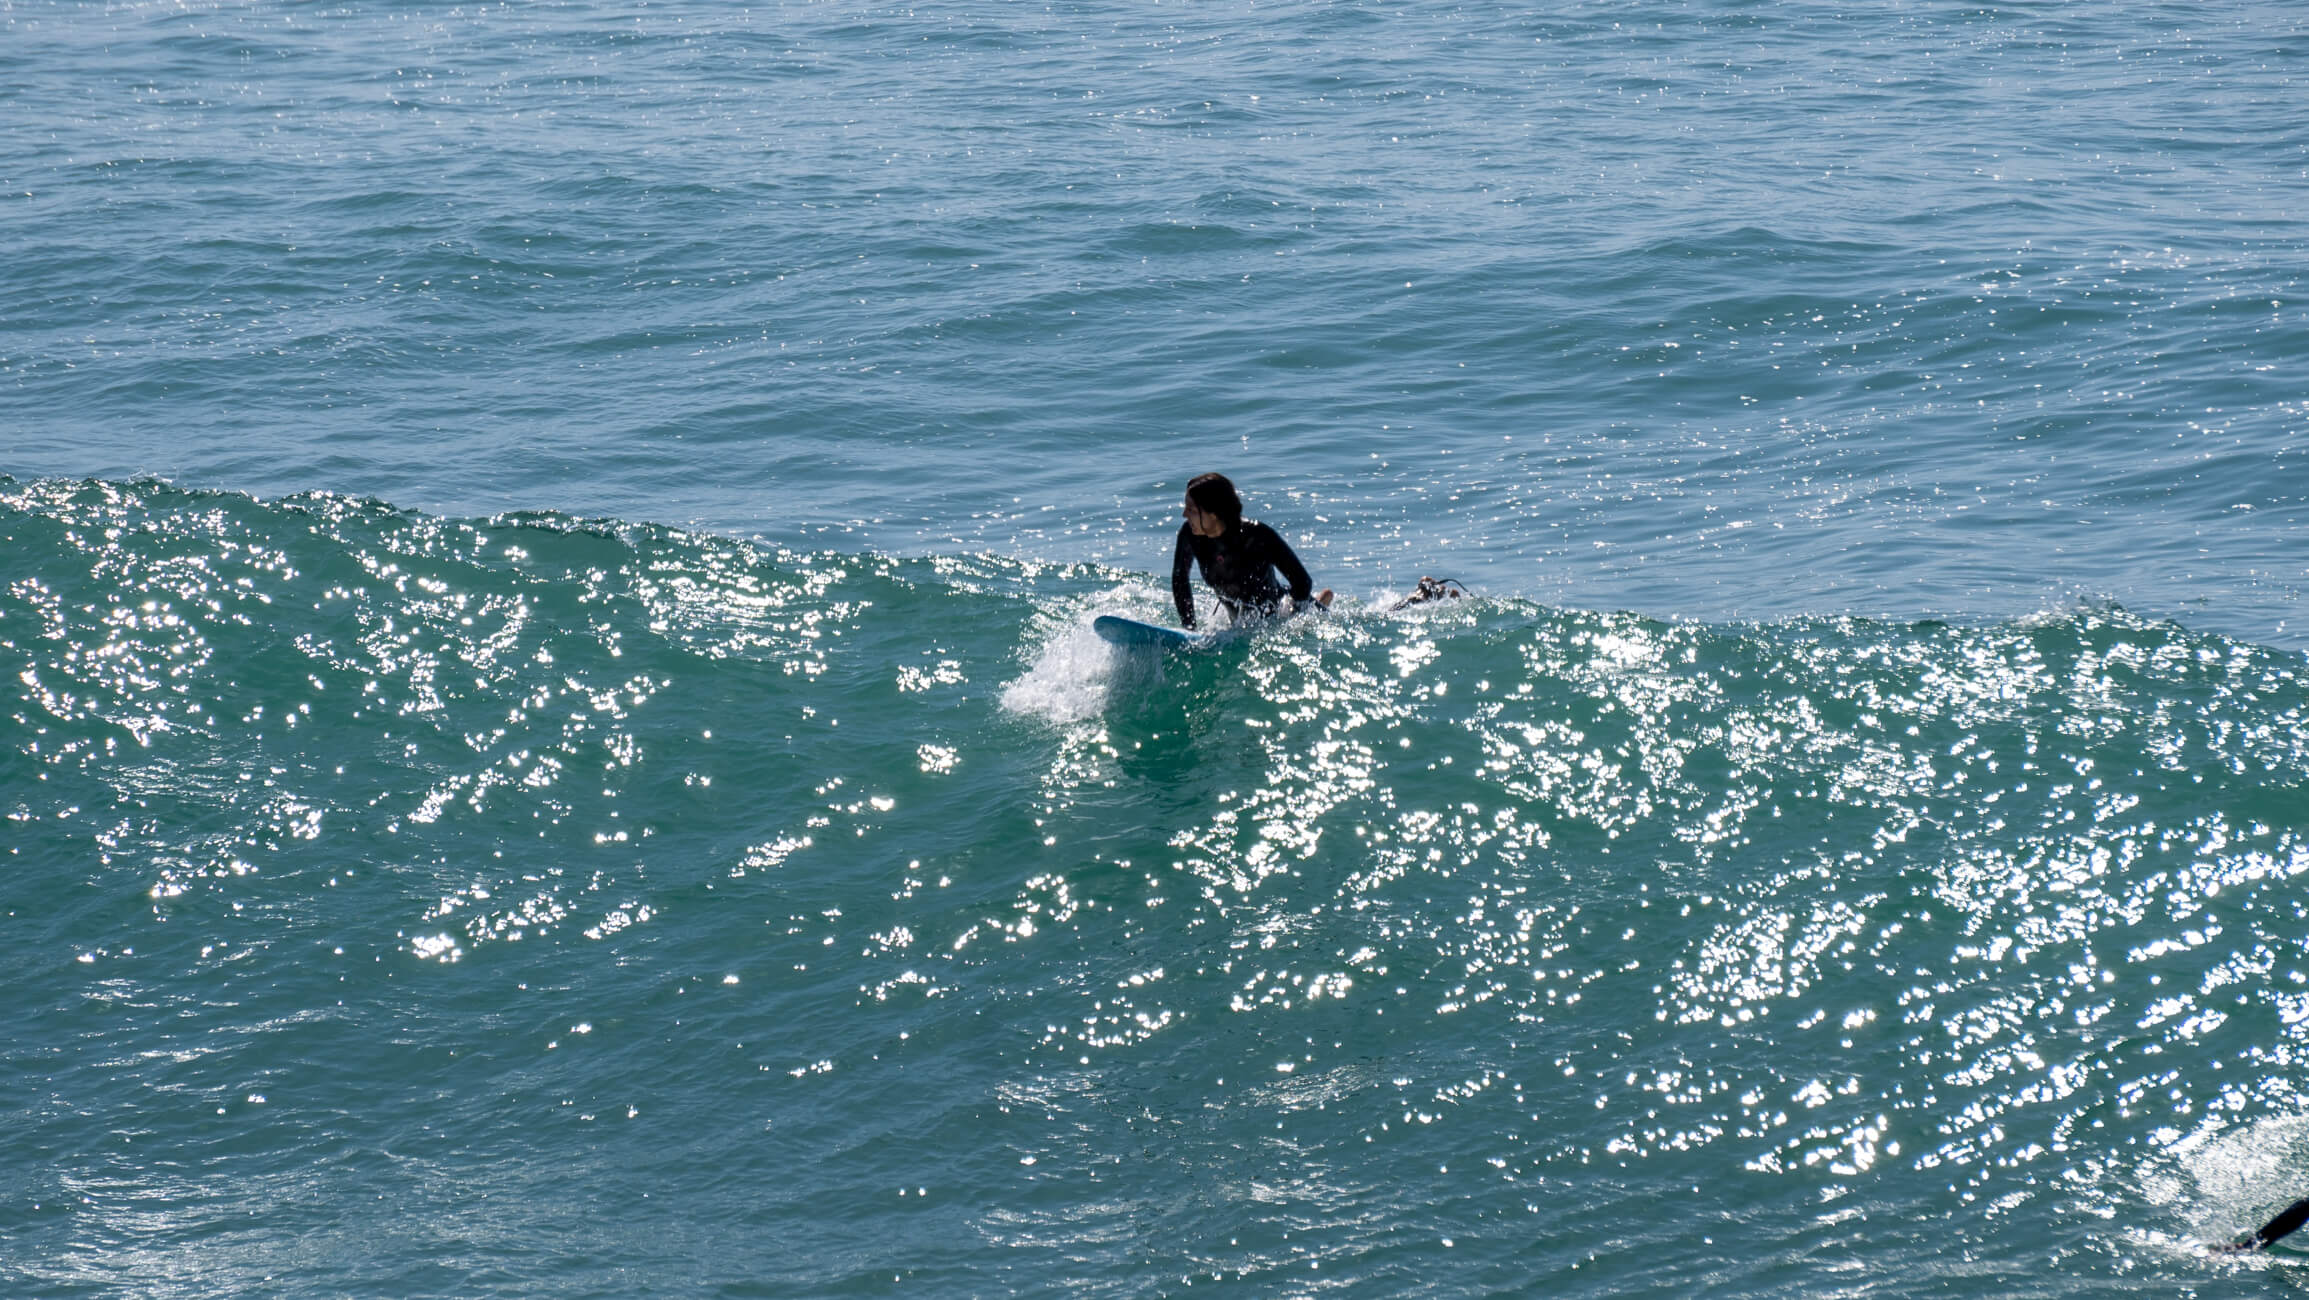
1286	560
2287	1221
1182	569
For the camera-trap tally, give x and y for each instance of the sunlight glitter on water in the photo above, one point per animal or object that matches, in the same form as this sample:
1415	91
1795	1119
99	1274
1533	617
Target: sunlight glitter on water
1488	899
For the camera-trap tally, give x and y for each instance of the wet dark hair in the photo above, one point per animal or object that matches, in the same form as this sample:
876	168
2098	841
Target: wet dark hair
1215	494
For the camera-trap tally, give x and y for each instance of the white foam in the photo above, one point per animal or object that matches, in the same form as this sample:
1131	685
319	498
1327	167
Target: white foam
2222	1180
1073	672
2250	1164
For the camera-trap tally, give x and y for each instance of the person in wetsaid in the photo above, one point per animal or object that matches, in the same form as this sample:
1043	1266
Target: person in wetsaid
1238	557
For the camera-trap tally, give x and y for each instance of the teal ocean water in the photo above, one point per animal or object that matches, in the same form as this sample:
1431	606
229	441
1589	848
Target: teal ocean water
550	741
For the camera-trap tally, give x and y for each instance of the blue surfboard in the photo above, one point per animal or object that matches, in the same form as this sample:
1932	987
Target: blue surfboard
1130	632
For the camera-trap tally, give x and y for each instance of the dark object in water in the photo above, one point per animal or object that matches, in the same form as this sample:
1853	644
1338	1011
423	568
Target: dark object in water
2287	1220
1432	589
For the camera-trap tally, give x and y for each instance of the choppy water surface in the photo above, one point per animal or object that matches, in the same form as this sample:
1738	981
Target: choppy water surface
411	903
1703	309
550	742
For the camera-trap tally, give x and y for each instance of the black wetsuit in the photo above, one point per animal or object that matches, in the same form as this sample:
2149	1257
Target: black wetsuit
1240	566
2287	1222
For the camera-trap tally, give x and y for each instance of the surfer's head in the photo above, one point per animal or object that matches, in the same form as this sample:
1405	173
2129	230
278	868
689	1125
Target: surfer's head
1212	498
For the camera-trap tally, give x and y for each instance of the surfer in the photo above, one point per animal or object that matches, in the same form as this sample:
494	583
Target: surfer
1238	557
2287	1220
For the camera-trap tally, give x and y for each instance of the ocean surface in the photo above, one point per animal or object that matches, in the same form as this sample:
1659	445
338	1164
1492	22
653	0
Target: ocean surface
550	742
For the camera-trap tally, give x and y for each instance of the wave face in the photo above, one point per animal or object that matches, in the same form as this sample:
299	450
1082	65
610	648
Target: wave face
406	903
1709	309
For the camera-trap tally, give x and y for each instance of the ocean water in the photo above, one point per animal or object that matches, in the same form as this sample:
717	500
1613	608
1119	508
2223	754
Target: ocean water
550	741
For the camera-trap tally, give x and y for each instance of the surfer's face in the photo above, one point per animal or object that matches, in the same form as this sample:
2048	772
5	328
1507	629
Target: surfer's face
1203	522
